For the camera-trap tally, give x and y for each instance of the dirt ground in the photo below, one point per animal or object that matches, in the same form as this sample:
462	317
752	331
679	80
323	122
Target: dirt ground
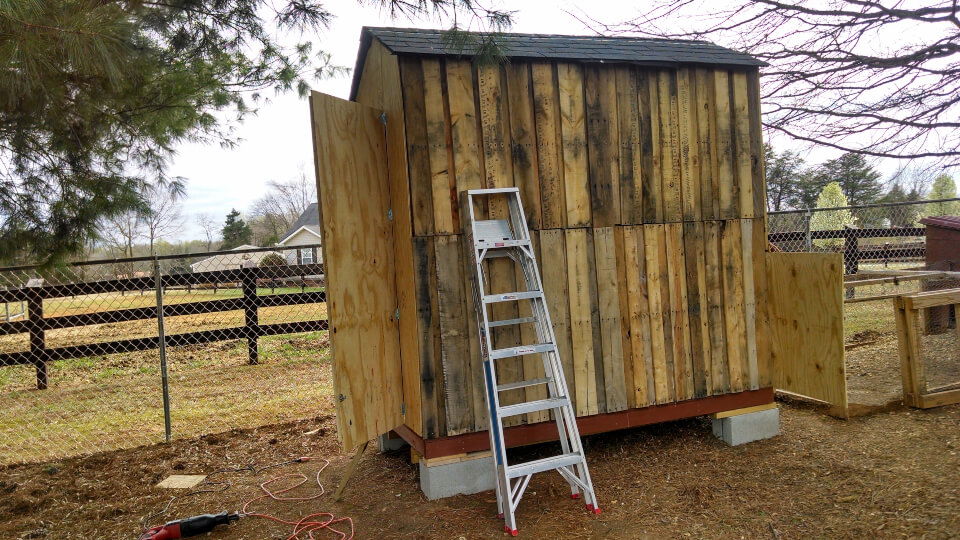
891	474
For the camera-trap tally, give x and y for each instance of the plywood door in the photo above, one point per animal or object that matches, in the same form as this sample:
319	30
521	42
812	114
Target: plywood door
806	321
352	187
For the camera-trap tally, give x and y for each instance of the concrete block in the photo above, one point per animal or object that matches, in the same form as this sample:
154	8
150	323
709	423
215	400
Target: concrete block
458	478
389	442
749	427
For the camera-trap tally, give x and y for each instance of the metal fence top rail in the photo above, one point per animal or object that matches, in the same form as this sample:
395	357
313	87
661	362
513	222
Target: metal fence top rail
147	258
860	206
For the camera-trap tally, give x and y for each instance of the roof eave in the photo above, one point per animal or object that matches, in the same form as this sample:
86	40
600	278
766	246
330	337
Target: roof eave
365	38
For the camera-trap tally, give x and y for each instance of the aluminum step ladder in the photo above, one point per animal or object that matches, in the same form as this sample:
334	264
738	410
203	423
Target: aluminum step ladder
491	238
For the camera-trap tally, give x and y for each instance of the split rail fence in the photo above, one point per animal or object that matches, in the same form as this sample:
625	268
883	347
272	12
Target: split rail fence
117	353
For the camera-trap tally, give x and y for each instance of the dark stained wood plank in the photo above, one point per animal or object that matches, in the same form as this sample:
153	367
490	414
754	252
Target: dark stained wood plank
603	144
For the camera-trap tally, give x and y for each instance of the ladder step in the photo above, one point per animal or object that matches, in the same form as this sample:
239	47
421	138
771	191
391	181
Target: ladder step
500	244
509	352
523	384
493	191
511	297
508	322
534	406
545	464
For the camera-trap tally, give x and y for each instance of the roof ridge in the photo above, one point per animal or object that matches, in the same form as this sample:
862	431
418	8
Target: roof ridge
528	34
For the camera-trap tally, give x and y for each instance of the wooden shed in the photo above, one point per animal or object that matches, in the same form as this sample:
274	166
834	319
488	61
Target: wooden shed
640	169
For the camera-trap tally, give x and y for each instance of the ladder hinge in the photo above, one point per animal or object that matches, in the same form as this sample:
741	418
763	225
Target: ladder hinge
390	214
383	118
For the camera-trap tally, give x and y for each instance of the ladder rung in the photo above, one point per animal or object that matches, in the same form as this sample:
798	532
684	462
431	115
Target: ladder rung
508	322
522	350
492	191
523	384
534	406
511	297
499	244
545	464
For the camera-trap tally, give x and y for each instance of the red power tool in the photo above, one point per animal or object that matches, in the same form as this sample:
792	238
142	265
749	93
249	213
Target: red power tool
192	526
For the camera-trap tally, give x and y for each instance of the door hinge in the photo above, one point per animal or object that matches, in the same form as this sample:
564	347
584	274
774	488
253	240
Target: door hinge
390	214
383	118
342	398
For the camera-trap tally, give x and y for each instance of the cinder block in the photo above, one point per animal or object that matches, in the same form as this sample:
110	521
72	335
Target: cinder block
389	442
462	477
749	427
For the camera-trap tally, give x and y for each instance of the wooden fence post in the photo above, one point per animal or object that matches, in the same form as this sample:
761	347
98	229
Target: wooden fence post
248	280
37	334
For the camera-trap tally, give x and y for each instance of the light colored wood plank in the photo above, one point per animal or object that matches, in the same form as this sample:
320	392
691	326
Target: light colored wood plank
807	322
578	276
631	157
611	331
762	300
654	239
523	143
495	128
745	410
733	303
671	181
641	342
756	147
742	143
546	109
352	186
679	316
724	148
706	129
719	361
574	130
442	189
556	289
696	275
464	127
532	364
689	143
749	302
418	143
930	299
623	298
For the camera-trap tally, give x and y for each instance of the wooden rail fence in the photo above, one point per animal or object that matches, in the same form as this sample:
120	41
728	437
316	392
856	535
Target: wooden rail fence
36	324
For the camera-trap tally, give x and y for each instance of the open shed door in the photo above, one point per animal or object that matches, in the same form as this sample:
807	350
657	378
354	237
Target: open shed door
806	320
354	199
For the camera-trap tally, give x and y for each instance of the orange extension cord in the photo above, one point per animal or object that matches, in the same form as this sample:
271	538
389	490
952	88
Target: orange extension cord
308	524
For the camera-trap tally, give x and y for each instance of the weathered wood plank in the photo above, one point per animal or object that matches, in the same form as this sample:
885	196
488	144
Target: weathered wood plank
695	260
428	336
603	145
495	130
454	343
706	143
546	110
623	299
556	289
532	364
671	180
641	342
719	367
418	142
756	147
611	331
523	144
750	303
689	143
464	127
631	156
724	147
679	319
649	147
743	142
442	183
762	299
576	182
585	383
661	331
733	305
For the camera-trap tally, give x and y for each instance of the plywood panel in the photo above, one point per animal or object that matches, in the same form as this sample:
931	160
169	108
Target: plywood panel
350	149
806	300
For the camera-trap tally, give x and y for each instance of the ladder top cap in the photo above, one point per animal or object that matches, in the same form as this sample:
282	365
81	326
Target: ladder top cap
492	191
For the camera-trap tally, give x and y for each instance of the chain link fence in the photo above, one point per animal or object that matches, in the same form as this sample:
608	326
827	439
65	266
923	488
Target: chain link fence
113	354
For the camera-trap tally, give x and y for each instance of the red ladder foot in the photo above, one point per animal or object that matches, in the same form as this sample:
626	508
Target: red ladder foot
592	509
512	532
500	515
574	495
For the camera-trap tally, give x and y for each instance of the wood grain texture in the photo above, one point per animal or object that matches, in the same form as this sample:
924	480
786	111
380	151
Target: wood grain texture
806	299
649	146
443	194
556	288
464	127
418	144
358	242
716	314
723	147
611	356
428	337
670	171
731	252
603	145
581	321
695	260
679	316
689	143
573	127
523	141
452	302
641	342
546	109
631	155
742	141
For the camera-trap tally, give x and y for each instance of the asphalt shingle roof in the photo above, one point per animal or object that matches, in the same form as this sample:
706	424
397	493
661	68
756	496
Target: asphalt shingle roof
634	50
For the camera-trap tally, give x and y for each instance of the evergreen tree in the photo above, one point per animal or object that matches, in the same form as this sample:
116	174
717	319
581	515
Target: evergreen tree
831	220
95	94
858	180
784	172
235	231
898	216
943	188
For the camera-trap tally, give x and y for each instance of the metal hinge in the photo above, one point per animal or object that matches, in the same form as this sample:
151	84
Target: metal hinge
342	398
396	314
390	214
383	118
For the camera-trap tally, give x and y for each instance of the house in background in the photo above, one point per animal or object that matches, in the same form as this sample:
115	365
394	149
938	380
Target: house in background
304	232
230	261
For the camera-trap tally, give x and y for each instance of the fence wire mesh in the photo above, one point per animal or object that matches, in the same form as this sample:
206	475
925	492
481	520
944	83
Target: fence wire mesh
89	363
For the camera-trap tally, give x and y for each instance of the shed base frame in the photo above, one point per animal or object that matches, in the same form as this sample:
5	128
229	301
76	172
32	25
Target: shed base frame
600	423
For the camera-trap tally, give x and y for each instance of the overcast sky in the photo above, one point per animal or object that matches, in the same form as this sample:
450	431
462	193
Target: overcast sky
276	143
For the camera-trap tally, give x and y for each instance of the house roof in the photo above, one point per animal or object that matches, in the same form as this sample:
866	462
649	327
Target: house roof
314	229
231	258
310	216
622	49
944	222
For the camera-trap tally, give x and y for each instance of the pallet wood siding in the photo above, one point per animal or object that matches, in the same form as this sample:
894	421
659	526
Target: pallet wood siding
643	188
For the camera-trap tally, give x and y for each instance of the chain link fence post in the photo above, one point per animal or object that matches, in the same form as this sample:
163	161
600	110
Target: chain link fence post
807	235
162	346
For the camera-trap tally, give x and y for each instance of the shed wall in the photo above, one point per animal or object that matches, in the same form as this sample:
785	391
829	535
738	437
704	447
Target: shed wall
645	191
